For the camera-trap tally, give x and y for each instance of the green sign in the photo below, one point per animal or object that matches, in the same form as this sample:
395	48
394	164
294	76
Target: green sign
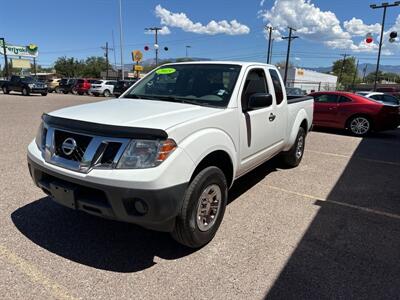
26	51
165	71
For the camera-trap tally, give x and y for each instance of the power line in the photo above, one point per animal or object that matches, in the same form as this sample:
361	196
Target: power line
289	38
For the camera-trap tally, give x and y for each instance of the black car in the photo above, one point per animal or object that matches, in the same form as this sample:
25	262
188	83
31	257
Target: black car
122	86
2	82
66	85
26	85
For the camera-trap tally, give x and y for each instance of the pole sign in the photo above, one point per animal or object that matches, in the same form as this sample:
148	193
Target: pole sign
13	50
137	55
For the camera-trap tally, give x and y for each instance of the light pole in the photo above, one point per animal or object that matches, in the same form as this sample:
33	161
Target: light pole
384	6
156	30
187	50
289	38
121	40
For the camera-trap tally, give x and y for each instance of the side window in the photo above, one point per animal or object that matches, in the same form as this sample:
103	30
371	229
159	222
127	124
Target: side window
326	98
377	97
277	86
255	83
390	99
344	99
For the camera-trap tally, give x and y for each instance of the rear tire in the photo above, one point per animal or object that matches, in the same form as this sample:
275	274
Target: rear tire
58	90
5	90
359	126
25	92
202	209
106	93
44	94
293	157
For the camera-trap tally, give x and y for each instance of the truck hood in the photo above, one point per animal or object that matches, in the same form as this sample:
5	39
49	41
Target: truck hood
135	113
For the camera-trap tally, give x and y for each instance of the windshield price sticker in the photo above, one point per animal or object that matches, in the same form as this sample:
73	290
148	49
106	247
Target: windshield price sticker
165	71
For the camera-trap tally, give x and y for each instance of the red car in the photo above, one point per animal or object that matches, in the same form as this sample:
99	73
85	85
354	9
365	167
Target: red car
356	113
82	86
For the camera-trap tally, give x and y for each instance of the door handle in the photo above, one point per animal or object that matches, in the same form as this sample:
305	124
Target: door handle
272	117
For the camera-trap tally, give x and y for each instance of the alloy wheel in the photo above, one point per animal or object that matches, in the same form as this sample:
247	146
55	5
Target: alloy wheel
208	207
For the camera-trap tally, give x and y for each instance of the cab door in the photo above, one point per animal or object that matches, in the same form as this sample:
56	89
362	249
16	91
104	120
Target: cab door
257	129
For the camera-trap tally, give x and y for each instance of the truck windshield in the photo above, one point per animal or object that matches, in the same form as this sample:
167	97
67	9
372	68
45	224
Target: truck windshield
198	84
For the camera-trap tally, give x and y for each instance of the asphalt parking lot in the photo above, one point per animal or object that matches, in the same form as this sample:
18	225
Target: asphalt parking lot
327	229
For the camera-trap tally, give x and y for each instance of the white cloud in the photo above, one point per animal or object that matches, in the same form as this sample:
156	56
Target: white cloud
323	26
180	20
356	27
262	2
309	20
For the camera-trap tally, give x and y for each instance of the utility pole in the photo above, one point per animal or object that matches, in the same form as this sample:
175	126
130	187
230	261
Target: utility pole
5	57
187	48
355	74
289	38
342	68
121	40
270	55
384	6
156	30
106	49
270	29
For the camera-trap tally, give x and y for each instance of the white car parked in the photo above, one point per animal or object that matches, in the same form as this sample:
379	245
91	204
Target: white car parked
165	153
102	87
380	97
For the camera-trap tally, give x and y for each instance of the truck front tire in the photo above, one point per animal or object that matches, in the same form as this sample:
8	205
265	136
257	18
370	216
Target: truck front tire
293	157
25	92
202	209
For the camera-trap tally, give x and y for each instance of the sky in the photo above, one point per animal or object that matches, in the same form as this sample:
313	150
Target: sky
215	29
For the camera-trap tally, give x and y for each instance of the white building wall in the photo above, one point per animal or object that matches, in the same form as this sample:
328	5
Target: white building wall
309	80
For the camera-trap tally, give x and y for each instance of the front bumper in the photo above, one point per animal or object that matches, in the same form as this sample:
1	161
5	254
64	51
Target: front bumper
153	209
38	90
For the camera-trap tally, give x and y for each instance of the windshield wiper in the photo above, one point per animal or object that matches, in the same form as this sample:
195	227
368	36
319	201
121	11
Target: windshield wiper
134	96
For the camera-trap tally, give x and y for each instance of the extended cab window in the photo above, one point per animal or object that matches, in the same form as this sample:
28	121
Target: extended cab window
326	98
255	83
277	86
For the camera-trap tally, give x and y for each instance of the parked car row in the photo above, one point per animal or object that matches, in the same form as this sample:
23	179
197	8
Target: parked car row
30	85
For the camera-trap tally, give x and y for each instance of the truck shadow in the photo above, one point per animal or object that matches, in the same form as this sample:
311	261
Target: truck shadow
106	244
351	248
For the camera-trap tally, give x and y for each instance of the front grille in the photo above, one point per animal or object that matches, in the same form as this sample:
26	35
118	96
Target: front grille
82	142
110	153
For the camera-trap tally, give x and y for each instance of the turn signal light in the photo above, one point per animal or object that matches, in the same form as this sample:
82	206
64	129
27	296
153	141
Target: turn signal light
166	148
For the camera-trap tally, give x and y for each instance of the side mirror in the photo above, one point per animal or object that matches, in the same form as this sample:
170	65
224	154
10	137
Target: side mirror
259	100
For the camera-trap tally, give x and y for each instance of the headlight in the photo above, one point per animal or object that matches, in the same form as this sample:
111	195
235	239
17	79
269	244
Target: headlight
142	154
31	85
40	137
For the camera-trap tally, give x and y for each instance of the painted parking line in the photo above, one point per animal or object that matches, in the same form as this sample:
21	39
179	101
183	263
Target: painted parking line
355	157
361	208
34	274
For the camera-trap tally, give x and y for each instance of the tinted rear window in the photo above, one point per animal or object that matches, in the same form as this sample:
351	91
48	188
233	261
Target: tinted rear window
277	86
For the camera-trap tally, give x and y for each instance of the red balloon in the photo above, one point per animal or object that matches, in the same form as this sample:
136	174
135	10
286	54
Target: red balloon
369	40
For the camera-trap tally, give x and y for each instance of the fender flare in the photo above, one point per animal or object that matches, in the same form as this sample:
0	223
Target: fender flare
201	143
301	116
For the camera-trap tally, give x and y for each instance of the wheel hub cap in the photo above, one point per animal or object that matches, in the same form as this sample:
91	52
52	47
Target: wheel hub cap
299	149
359	125
209	207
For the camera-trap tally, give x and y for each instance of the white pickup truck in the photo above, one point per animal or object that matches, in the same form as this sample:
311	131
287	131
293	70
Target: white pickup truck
165	153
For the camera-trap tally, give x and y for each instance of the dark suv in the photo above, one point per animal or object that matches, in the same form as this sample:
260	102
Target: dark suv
26	85
122	86
394	91
66	85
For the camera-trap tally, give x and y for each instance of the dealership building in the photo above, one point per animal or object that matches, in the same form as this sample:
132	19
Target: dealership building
309	80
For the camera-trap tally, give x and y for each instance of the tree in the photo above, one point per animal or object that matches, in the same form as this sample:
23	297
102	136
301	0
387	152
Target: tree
393	77
68	67
345	71
94	66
